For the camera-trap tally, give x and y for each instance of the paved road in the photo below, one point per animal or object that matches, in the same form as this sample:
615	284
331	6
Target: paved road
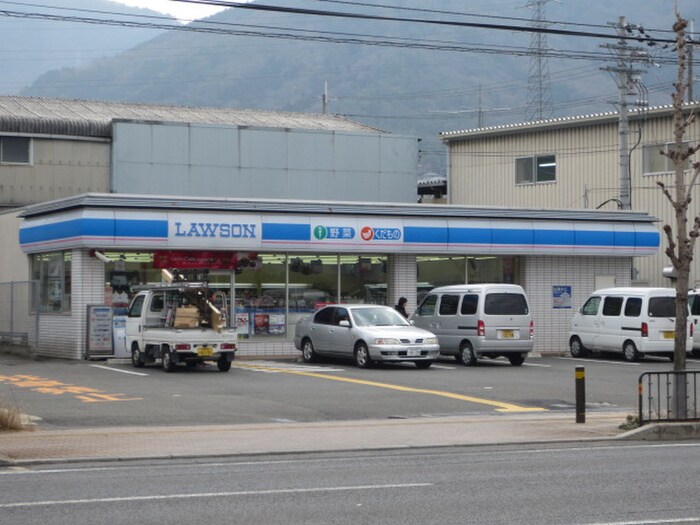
543	485
74	394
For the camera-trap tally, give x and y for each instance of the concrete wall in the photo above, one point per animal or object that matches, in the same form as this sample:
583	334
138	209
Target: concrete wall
60	167
181	159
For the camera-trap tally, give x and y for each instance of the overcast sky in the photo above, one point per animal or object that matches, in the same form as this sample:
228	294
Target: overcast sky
181	10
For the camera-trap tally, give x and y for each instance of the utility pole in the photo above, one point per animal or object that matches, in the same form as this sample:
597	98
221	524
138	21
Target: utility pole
628	83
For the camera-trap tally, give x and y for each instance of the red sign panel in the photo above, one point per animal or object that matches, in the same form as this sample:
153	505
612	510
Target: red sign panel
190	260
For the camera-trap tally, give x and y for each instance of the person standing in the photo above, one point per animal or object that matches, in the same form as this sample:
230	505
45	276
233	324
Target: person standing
401	307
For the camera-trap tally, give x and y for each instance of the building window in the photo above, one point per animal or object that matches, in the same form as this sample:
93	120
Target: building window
536	169
656	160
15	150
52	273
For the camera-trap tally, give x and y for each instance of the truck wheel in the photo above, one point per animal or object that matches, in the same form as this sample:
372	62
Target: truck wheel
137	360
168	363
223	364
466	354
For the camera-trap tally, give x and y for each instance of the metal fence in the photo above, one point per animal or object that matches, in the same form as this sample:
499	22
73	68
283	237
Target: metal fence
17	323
668	396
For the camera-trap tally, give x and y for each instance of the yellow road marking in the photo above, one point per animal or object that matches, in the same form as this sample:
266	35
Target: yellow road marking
500	406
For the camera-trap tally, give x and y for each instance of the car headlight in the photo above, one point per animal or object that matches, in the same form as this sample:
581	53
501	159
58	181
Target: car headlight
431	340
386	341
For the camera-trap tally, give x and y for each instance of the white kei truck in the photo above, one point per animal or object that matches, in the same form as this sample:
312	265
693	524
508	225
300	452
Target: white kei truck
179	323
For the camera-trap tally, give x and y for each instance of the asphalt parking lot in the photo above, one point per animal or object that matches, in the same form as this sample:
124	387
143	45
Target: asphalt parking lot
72	394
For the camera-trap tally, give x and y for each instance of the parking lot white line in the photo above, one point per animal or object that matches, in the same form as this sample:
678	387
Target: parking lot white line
443	367
625	363
536	364
209	495
270	367
662	521
118	370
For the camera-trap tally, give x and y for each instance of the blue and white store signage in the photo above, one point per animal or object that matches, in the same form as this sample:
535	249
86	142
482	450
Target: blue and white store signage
158	230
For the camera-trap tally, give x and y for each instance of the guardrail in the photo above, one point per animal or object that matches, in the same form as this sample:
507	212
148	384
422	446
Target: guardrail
668	396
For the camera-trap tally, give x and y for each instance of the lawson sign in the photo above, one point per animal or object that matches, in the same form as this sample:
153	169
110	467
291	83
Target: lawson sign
155	230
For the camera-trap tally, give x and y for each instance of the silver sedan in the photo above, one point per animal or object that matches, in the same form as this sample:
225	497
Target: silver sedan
365	332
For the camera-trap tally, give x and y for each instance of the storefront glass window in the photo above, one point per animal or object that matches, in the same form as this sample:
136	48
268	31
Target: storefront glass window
126	270
261	296
313	282
434	271
363	279
52	272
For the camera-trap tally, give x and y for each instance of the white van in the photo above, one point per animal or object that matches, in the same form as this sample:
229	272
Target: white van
634	321
478	320
694	304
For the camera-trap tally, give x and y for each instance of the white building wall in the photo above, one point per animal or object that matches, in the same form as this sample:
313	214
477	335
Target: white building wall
63	335
541	273
402	280
588	174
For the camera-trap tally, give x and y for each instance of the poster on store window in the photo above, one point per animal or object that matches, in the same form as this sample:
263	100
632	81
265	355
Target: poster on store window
262	324
276	324
242	325
561	297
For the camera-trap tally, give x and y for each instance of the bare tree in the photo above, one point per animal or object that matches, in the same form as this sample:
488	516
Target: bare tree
680	247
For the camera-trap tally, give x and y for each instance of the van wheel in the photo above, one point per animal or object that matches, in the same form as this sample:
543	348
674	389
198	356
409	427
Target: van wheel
362	359
629	352
576	348
466	354
516	359
695	352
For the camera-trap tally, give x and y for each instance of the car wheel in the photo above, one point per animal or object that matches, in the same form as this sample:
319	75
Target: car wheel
423	364
516	359
223	364
137	360
362	359
307	351
466	354
629	352
167	361
576	348
695	352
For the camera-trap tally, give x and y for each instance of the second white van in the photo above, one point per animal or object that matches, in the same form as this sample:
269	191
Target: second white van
478	320
633	321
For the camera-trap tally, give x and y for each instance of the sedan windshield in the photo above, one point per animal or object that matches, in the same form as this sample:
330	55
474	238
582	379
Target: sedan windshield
378	317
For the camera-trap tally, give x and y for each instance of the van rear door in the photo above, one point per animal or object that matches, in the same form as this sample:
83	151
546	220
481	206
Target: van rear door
506	316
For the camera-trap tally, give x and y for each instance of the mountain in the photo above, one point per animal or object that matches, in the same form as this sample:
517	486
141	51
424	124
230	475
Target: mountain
399	88
32	46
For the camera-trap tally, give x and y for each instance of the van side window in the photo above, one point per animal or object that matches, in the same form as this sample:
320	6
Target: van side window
448	304
469	304
427	307
612	306
695	305
633	307
591	306
662	307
